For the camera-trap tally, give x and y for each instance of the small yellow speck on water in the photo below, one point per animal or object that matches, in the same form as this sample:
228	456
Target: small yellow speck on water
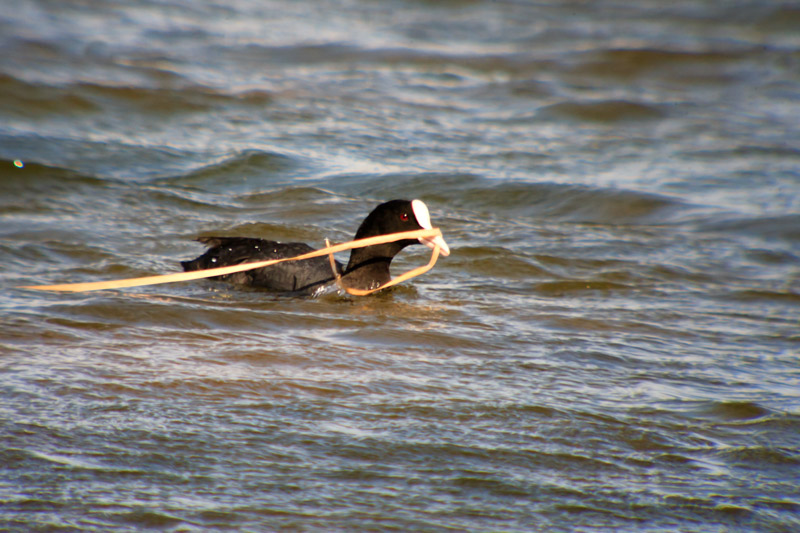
18	163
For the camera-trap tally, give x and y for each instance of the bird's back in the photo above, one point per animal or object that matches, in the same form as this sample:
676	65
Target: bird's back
291	276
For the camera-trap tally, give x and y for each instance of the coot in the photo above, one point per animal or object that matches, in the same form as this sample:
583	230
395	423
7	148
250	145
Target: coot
367	269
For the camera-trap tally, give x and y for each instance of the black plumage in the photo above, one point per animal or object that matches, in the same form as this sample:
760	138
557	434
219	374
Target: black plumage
368	267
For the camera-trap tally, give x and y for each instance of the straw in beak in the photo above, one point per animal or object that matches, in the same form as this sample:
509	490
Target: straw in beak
423	217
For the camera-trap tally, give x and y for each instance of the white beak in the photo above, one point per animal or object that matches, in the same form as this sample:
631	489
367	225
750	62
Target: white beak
432	242
423	217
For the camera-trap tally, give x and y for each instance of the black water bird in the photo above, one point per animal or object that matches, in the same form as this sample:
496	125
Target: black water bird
367	269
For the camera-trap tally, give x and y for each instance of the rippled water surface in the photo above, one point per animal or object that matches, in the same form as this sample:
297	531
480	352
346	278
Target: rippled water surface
613	343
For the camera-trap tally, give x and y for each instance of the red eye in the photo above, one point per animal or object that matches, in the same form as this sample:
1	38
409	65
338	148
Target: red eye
404	217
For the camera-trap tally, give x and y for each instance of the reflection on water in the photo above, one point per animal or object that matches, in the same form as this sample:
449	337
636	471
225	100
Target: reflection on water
611	345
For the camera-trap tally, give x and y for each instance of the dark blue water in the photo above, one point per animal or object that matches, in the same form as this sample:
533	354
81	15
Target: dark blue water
612	344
